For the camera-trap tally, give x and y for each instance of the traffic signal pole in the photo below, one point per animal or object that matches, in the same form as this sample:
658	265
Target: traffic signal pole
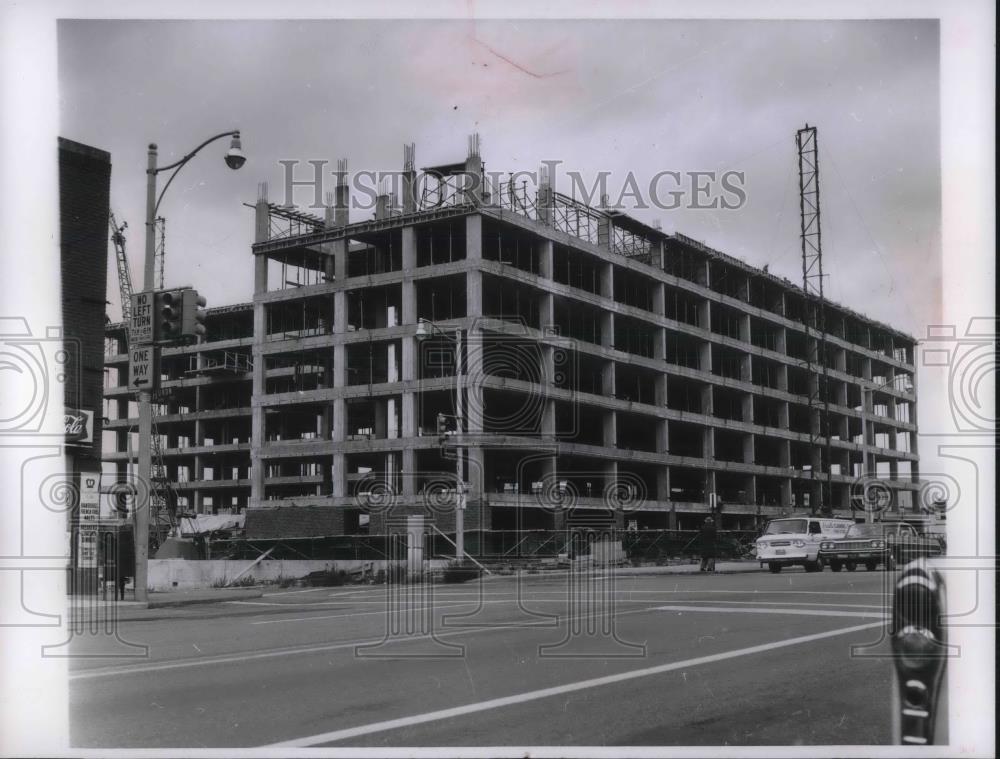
144	485
459	461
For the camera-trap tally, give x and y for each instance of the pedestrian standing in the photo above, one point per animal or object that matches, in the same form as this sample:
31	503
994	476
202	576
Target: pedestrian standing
707	537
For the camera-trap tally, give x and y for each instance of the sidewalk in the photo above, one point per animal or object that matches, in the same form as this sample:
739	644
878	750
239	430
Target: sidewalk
721	568
685	568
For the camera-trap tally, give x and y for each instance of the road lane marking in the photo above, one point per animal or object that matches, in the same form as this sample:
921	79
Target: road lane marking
520	698
768	592
292	592
98	672
794	603
111	671
382	612
433	607
772	610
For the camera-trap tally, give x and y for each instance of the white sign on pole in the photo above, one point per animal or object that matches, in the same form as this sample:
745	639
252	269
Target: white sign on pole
141	370
140	328
90	511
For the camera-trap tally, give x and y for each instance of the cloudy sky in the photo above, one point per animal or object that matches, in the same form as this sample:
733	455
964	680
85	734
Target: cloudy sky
615	96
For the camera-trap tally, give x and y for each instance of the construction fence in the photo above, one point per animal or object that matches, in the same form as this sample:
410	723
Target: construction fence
494	545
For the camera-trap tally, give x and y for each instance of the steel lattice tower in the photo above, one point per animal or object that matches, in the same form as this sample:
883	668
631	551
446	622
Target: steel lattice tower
807	143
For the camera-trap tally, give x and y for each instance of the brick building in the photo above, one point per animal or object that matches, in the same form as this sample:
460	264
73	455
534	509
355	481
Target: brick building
84	187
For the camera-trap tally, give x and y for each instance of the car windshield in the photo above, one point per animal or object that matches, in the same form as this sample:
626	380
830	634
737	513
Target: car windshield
786	526
864	531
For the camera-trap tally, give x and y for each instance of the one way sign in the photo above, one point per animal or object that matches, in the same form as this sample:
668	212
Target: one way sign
142	370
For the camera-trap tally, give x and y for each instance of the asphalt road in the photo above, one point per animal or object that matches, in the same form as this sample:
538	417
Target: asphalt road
743	659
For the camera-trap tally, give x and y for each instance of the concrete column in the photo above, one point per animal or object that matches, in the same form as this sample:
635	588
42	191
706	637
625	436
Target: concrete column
747	409
604	232
750	488
839	359
662	436
409	188
408	476
608	378
607	326
786	493
785	454
749	455
342	195
473	185
744	291
663	483
781	341
610	434
256	409
338	476
546	316
198	440
745	328
409	353
705	314
606	282
660	394
545	249
660	298
660	344
606	288
548	421
705	356
474	252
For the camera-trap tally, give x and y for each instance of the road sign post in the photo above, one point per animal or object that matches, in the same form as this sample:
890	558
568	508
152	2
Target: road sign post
140	327
143	368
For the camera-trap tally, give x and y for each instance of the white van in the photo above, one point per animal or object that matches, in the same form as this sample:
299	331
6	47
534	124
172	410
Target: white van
795	540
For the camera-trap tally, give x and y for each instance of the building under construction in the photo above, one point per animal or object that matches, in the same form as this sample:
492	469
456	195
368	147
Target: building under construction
576	359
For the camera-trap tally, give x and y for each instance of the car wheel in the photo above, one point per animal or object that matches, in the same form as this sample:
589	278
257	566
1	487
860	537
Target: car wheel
871	566
851	566
774	566
815	566
836	566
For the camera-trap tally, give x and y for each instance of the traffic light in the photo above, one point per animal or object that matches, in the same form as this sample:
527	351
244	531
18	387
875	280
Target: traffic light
441	425
193	314
167	315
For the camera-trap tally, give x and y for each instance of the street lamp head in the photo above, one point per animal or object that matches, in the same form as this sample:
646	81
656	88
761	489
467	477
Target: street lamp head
422	329
235	158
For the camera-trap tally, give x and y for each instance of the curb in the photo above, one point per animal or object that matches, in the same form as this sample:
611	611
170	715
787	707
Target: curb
240	595
631	572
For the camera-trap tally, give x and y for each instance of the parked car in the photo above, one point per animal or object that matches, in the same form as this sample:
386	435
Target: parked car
890	544
796	540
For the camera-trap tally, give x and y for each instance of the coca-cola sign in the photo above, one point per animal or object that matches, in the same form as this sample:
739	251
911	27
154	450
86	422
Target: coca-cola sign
79	426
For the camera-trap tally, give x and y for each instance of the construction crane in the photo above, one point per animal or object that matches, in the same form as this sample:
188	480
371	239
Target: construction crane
124	275
806	142
160	495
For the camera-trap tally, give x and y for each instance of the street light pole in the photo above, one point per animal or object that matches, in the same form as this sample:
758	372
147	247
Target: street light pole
144	489
145	484
459	458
